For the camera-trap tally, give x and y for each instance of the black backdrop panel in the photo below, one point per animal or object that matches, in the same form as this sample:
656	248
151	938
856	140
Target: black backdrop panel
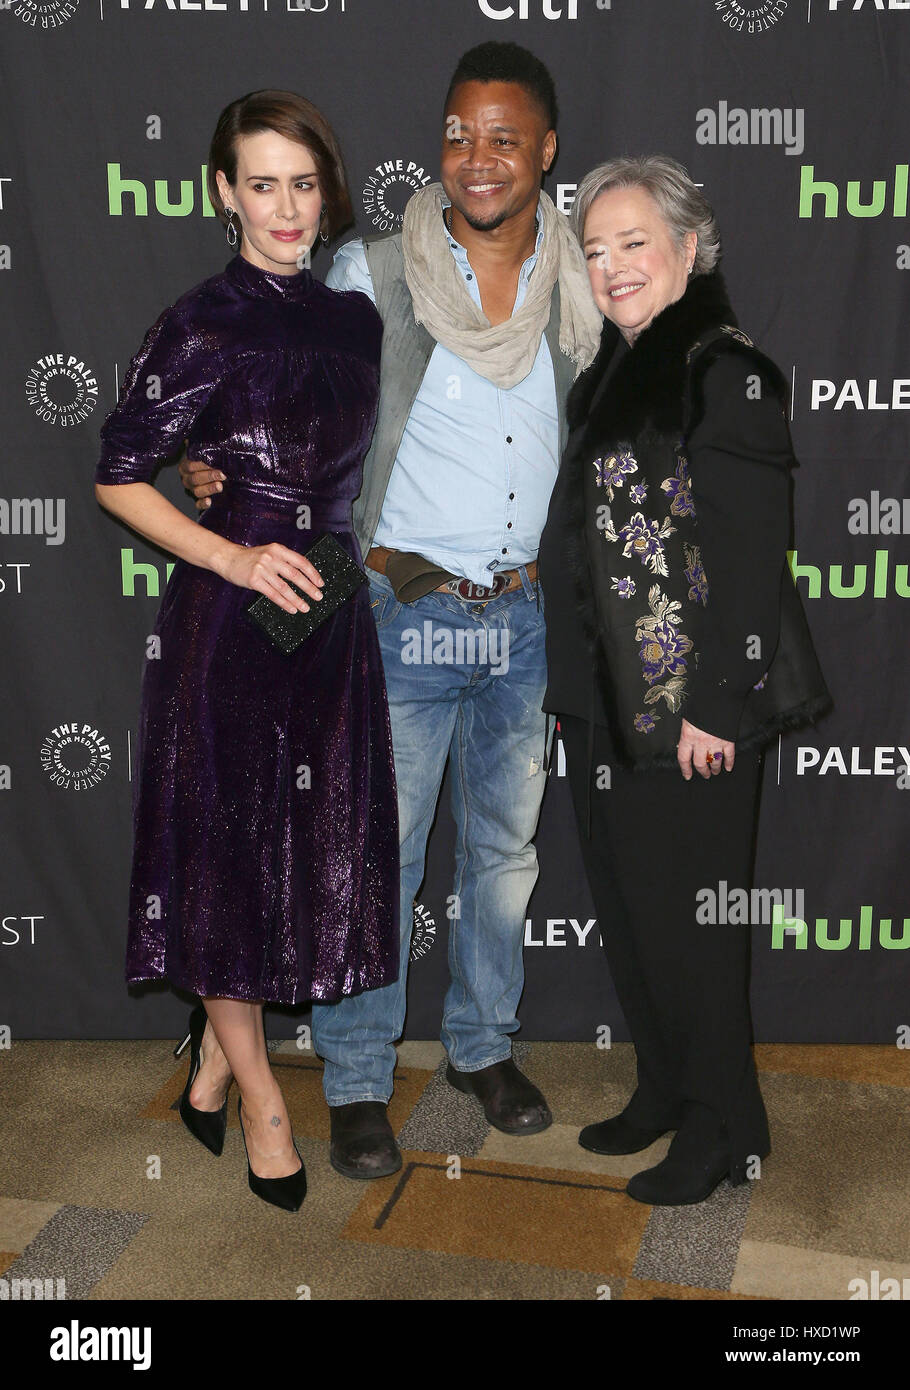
793	116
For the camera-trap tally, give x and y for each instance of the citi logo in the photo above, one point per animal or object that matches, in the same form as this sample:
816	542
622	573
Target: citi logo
811	189
548	8
758	126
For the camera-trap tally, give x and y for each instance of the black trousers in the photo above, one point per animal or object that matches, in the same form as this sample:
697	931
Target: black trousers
656	841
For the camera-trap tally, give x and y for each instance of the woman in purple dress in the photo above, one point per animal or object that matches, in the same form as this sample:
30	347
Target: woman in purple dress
265	861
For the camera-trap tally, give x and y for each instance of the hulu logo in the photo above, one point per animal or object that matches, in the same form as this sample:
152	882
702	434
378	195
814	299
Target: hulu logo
117	187
858	583
811	188
131	570
798	931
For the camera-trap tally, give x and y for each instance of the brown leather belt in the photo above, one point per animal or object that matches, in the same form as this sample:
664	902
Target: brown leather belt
505	580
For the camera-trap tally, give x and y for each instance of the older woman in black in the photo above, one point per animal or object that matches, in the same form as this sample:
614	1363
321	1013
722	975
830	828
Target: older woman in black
676	647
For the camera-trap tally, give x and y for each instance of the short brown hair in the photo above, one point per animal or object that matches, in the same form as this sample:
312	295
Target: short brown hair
297	119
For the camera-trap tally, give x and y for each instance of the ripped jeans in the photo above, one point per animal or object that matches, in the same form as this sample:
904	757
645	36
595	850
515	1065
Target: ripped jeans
465	680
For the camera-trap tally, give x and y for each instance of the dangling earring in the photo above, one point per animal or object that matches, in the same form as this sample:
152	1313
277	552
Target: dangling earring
691	267
231	230
323	236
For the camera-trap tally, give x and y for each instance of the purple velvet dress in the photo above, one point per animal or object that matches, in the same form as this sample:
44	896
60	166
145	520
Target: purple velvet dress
265	860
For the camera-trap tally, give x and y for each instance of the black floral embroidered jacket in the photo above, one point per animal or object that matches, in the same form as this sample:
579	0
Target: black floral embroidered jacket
678	520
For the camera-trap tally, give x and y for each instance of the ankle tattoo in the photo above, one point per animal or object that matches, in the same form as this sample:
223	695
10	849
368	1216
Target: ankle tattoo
275	1120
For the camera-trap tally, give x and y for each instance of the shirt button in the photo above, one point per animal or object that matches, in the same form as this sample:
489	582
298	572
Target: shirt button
508	525
478	608
504	550
469	277
511	496
508	439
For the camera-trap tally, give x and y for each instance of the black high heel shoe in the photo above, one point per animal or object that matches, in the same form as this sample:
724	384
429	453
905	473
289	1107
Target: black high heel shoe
288	1192
208	1126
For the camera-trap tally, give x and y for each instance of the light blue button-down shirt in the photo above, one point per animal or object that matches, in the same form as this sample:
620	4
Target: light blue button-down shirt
472	480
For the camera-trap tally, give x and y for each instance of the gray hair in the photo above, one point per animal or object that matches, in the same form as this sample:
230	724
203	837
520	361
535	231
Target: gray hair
679	201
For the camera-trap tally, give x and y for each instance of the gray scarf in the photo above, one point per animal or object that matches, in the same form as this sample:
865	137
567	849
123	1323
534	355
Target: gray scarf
504	354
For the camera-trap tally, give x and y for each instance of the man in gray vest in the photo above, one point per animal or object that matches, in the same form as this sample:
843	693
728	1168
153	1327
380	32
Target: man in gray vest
487	319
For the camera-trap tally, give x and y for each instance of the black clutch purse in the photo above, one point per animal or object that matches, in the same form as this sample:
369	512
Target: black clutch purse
341	577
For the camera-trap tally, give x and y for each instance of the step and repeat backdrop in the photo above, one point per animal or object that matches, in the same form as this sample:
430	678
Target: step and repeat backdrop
793	116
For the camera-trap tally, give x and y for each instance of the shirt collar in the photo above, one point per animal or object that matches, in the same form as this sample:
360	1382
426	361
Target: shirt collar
461	255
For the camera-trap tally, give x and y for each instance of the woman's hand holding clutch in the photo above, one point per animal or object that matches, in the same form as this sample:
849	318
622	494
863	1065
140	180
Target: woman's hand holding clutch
265	569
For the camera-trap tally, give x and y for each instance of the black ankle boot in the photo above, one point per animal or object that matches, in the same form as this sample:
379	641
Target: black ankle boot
681	1181
510	1101
363	1143
618	1136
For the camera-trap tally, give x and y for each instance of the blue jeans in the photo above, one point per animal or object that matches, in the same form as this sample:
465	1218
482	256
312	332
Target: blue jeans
466	679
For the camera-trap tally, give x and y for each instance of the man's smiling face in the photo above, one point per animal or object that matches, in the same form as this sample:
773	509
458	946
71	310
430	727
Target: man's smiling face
496	146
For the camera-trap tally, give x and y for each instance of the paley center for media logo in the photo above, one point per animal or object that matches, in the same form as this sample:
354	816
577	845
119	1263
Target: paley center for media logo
49	14
423	934
61	389
751	16
758	16
75	756
387	188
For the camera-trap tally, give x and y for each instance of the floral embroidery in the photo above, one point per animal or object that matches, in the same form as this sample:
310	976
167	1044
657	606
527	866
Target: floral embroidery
695	573
663	646
645	723
673	691
637	493
678	488
624	587
612	469
643	540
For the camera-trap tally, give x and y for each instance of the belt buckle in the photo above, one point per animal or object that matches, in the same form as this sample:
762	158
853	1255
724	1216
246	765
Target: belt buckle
478	593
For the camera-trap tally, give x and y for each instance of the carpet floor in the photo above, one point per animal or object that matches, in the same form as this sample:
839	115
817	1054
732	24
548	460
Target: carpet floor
101	1186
